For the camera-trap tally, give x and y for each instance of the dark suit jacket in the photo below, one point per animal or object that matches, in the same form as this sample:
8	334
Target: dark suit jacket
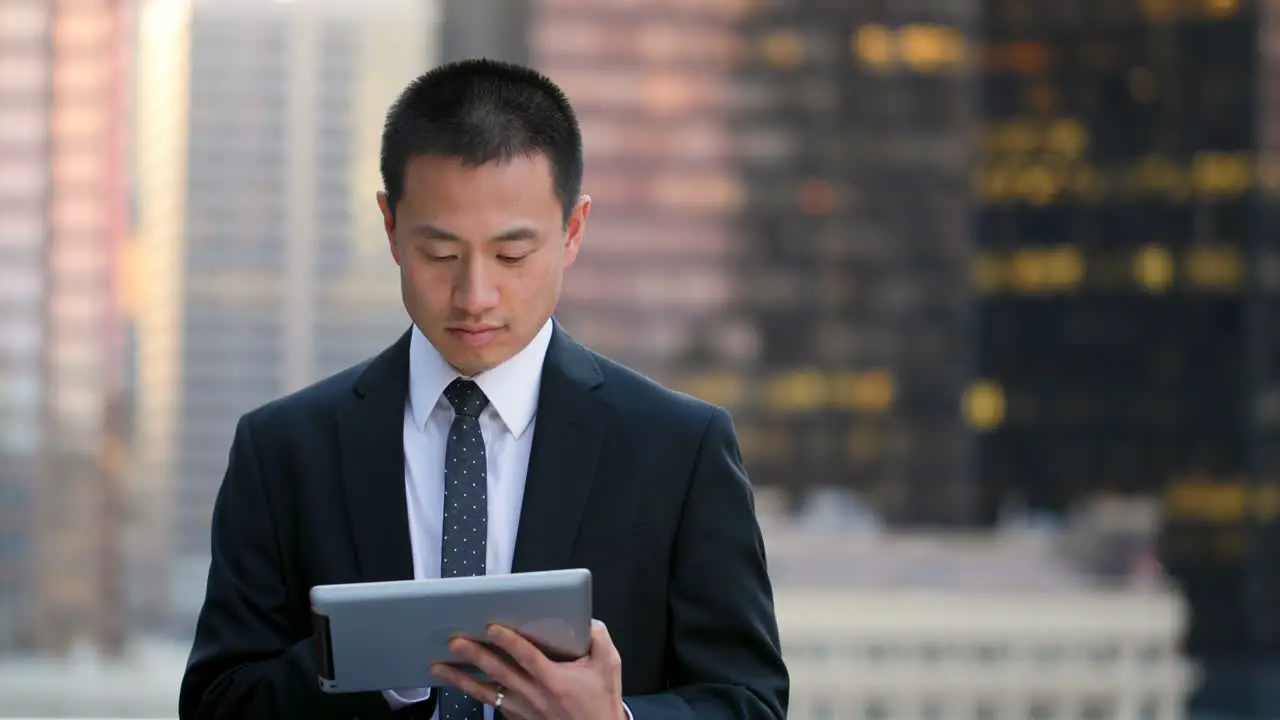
643	486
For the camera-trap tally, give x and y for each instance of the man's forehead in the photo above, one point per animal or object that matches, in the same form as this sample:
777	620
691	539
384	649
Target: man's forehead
517	180
519	162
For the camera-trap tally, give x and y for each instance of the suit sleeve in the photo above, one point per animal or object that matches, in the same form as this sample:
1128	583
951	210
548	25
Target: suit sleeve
726	658
249	658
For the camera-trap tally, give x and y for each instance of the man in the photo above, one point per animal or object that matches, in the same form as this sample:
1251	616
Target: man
566	458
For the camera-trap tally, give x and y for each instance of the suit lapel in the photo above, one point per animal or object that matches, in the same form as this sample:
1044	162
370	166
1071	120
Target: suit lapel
371	447
567	438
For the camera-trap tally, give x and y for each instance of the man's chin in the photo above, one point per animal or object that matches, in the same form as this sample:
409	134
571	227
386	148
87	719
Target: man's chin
473	361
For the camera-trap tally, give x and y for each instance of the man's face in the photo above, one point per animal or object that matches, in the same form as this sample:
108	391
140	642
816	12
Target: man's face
482	252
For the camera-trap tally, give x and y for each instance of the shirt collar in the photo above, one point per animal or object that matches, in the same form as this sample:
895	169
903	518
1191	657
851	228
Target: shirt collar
512	387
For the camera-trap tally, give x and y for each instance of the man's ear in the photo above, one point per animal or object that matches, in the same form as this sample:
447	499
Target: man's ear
389	223
576	229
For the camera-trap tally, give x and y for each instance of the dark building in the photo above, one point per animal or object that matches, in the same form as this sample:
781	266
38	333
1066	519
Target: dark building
497	29
855	136
1127	274
1115	226
1263	588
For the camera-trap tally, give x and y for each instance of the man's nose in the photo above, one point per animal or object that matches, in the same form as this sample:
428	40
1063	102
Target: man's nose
476	293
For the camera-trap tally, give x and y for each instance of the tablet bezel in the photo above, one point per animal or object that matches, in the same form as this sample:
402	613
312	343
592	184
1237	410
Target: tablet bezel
361	642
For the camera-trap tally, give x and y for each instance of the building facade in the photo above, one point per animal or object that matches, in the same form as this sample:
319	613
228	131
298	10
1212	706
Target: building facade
1127	279
63	103
652	89
24	125
854	241
264	259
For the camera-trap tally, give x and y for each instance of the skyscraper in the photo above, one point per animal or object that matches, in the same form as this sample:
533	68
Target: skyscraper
855	144
1128	278
24	124
264	260
652	87
1117	186
1263	588
62	219
495	29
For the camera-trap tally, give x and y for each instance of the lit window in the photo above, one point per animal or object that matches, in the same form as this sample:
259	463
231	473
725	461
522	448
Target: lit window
708	192
78	121
1221	8
83	27
1215	267
783	49
78	76
873	44
725	389
77	261
796	391
865	443
816	197
79	212
984	405
931	47
83	307
1153	267
670	94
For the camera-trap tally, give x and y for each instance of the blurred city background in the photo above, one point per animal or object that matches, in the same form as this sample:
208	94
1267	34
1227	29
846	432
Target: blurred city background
992	288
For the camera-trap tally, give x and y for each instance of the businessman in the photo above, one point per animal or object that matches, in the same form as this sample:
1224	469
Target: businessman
487	440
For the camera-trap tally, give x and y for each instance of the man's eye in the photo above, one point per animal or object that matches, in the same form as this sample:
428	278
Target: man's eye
441	258
511	258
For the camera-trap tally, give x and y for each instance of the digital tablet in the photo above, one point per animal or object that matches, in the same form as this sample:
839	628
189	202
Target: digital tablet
387	635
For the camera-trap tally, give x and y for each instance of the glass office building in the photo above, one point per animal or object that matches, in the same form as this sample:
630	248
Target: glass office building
1114	228
854	242
265	267
1127	271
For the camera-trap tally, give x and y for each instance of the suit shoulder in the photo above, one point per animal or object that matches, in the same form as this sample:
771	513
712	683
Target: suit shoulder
636	394
323	398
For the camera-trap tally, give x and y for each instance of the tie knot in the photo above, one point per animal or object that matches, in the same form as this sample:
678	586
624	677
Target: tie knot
466	397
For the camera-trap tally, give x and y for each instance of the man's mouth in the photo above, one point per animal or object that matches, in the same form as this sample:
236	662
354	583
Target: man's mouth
475	336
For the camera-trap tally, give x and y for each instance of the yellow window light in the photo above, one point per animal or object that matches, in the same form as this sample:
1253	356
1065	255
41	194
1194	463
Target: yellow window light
984	405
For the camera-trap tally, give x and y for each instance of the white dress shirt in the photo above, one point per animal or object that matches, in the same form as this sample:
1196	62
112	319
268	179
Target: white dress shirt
507	427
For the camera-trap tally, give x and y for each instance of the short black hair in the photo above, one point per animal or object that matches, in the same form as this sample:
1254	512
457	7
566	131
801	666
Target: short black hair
479	111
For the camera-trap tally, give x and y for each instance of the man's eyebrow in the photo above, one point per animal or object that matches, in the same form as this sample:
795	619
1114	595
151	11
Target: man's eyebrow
520	232
427	230
433	232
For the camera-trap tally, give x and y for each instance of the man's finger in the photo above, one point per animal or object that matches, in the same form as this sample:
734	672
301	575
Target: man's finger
603	651
602	647
502	672
525	653
600	632
484	692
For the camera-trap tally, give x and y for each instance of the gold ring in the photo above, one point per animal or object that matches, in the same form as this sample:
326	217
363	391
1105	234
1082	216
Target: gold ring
497	702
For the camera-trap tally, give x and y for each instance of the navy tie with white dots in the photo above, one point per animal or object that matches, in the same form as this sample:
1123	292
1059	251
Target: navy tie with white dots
466	522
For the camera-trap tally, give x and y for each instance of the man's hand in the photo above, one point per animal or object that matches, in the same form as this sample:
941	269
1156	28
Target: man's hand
536	687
